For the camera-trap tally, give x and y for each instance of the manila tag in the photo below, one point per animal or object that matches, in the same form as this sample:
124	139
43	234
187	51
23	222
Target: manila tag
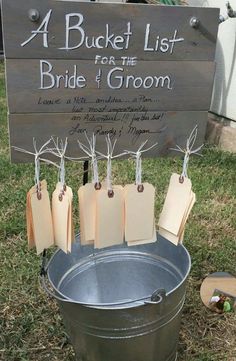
60	213
176	239
145	241
70	227
70	224
87	211
175	205
139	213
109	218
42	221
29	220
182	228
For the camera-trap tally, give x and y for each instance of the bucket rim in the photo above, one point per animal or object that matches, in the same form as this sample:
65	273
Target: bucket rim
116	305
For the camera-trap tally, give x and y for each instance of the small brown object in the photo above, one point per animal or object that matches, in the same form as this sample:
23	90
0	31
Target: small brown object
60	197
181	179
39	195
140	188
110	193
64	188
97	186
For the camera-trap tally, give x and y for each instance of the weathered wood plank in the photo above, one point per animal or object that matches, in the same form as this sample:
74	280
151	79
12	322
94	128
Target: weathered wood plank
121	28
147	86
130	129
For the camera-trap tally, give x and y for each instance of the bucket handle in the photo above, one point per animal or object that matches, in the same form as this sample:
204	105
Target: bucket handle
156	298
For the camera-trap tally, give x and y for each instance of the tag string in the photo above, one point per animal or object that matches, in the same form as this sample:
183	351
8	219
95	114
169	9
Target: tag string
138	179
37	172
188	151
138	159
109	174
185	166
37	158
91	152
109	156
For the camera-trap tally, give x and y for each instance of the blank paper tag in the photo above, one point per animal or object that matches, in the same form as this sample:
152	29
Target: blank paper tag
29	217
139	213
145	241
70	226
43	185
62	217
60	213
170	236
109	218
87	211
177	207
176	203
29	222
42	221
188	211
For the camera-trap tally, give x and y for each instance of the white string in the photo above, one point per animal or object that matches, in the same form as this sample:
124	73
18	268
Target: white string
109	156
138	158
138	178
44	149
91	152
188	151
60	152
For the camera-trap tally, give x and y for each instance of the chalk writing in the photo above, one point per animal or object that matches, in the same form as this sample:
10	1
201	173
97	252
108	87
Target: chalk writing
74	23
43	29
117	80
163	44
66	80
132	125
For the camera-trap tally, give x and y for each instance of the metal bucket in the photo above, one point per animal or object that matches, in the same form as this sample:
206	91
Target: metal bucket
121	303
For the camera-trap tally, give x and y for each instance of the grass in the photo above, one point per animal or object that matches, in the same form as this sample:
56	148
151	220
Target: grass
31	327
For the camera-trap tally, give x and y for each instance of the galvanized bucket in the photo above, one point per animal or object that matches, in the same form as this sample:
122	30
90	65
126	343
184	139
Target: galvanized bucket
121	303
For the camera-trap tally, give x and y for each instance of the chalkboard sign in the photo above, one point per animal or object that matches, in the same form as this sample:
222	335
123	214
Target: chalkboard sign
134	71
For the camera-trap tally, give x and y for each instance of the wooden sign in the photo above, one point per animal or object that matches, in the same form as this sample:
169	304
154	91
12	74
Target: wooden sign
107	68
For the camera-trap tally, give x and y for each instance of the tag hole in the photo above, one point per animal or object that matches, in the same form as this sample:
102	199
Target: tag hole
97	186
64	188
110	193
140	188
60	197
181	179
39	195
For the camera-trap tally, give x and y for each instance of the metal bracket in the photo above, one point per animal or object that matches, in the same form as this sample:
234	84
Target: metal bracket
194	22
157	297
34	15
230	11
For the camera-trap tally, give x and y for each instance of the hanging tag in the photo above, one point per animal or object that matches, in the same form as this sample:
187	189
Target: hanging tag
176	203
42	220
145	241
188	211
87	211
29	222
43	185
177	238
109	218
168	235
29	219
139	212
60	215
70	227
